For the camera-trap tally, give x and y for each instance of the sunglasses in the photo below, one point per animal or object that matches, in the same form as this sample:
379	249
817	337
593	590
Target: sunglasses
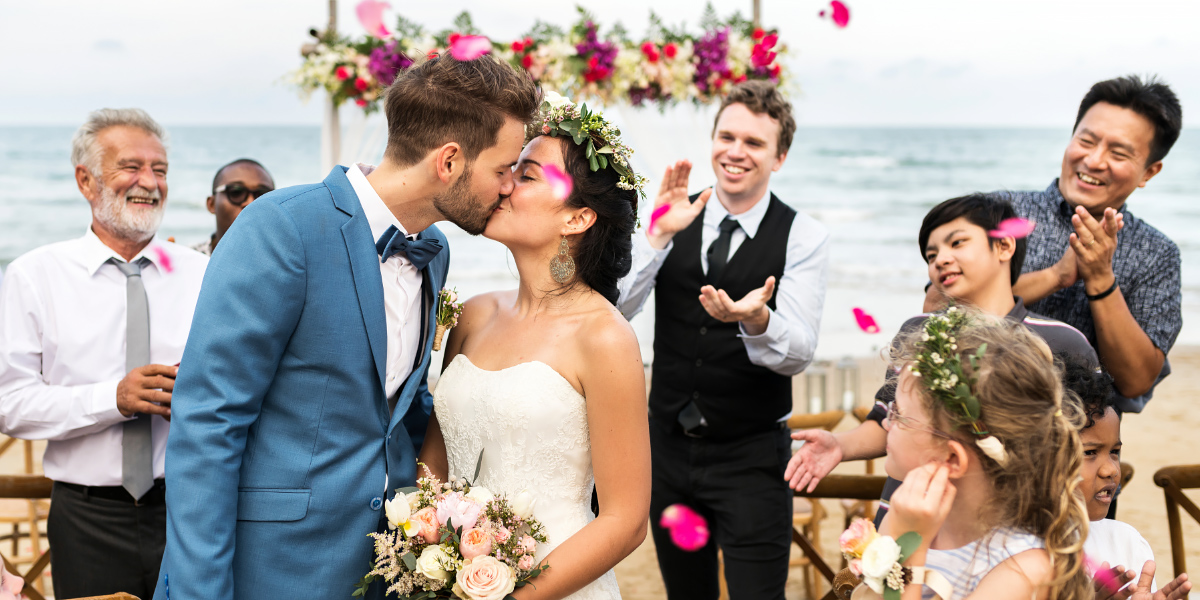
893	415
238	194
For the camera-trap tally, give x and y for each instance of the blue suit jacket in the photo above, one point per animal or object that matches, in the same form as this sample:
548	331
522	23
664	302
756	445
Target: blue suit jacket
281	435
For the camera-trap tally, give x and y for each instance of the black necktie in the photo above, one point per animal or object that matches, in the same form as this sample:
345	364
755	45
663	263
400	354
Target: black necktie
419	252
718	252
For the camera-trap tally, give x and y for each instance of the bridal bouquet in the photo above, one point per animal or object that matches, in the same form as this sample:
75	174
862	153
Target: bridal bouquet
455	540
878	559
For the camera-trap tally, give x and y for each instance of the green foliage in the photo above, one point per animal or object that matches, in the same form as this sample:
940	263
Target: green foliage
709	19
407	29
542	30
463	24
660	31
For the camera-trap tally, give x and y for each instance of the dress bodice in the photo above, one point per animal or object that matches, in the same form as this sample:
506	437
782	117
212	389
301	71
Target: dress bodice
531	426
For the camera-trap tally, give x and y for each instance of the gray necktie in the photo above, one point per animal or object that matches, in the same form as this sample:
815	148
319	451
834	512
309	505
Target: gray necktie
137	455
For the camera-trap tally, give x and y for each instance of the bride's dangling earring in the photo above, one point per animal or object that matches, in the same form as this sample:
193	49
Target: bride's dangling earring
562	266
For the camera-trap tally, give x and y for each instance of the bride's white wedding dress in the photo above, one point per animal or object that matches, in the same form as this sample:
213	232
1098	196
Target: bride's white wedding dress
532	428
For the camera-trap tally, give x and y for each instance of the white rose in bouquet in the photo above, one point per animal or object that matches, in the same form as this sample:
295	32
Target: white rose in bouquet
480	494
414	501
555	99
484	578
430	563
877	561
523	504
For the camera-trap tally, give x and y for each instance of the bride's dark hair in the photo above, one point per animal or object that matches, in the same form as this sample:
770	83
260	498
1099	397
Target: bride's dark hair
603	253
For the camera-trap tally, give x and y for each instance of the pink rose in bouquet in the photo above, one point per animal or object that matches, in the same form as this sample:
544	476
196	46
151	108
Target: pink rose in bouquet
475	542
528	545
455	510
501	534
855	539
485	578
526	562
427	519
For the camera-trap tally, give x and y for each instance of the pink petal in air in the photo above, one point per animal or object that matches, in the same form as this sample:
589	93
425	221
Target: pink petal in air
841	13
1105	577
560	183
470	47
657	214
370	14
164	259
689	530
1013	228
865	321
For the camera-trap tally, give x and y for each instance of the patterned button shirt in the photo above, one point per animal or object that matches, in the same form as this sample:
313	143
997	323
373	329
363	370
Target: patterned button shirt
1146	265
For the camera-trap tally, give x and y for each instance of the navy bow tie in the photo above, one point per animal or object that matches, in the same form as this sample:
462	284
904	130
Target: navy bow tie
419	252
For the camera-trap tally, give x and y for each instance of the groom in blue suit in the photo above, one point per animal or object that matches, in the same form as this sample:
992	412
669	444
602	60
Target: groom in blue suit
302	398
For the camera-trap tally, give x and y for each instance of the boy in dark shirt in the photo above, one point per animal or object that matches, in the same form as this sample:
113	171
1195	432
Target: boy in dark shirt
973	268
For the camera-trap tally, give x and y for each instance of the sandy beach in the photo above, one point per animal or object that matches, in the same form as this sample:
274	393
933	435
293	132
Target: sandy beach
1153	439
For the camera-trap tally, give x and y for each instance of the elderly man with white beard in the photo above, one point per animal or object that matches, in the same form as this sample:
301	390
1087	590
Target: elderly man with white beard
91	333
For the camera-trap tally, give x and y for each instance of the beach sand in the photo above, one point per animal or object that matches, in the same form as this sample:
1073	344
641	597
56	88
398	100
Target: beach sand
1153	439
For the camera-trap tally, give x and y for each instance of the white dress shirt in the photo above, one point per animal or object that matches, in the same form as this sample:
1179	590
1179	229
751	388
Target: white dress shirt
62	349
788	344
401	285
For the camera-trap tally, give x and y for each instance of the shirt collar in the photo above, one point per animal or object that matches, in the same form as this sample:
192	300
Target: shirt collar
1064	208
748	221
93	253
379	216
1018	312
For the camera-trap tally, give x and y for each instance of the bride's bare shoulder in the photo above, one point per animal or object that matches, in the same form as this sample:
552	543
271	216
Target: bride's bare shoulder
484	306
608	332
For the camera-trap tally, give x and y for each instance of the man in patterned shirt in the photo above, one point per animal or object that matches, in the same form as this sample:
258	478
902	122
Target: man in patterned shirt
1121	290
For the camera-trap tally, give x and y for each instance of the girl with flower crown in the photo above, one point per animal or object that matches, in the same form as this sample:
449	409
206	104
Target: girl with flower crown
990	458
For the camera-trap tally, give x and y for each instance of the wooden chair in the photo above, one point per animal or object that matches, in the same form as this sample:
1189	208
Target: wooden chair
855	487
1173	480
807	513
27	487
23	513
864	509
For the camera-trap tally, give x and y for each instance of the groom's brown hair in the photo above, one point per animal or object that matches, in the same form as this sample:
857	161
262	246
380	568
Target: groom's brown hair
442	100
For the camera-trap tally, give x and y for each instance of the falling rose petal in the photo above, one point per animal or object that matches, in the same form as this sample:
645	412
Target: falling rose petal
560	183
1105	577
370	14
470	47
1014	228
865	321
164	260
657	214
841	13
821	14
690	538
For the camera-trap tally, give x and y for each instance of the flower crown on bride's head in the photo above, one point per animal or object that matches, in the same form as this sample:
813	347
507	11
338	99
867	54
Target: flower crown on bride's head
602	139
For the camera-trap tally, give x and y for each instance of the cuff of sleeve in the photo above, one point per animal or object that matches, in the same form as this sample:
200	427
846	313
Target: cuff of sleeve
775	331
642	247
103	402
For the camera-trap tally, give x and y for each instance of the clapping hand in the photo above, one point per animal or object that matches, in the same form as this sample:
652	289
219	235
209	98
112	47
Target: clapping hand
751	310
1111	586
674	192
1093	245
922	502
818	456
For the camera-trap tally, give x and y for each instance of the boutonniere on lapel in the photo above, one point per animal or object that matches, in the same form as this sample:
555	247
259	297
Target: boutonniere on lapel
447	314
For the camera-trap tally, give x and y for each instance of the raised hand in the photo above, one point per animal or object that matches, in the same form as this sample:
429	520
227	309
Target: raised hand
1109	582
818	456
922	502
1177	589
674	193
751	310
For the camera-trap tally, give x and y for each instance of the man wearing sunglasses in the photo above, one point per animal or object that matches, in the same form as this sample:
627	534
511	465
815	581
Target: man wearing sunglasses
235	186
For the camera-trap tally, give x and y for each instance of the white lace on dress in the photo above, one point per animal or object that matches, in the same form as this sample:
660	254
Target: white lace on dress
532	428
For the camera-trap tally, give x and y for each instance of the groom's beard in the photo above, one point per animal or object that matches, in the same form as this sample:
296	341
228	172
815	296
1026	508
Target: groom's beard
461	207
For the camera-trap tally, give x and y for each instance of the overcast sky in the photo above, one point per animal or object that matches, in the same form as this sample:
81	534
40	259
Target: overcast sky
900	62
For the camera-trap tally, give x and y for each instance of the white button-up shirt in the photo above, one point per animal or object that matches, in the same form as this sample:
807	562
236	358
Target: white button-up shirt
401	285
788	344
62	349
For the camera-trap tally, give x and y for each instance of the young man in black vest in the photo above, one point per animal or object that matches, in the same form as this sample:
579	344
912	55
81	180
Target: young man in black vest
721	388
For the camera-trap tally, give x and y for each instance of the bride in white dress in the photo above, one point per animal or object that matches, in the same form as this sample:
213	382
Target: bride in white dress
547	380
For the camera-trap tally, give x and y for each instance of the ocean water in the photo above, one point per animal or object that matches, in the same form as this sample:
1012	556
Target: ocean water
869	186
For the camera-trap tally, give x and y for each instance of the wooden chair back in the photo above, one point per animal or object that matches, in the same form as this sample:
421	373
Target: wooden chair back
116	596
1126	474
853	487
827	420
27	487
1173	481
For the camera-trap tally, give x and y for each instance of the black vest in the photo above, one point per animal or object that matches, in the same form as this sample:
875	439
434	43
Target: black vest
697	357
